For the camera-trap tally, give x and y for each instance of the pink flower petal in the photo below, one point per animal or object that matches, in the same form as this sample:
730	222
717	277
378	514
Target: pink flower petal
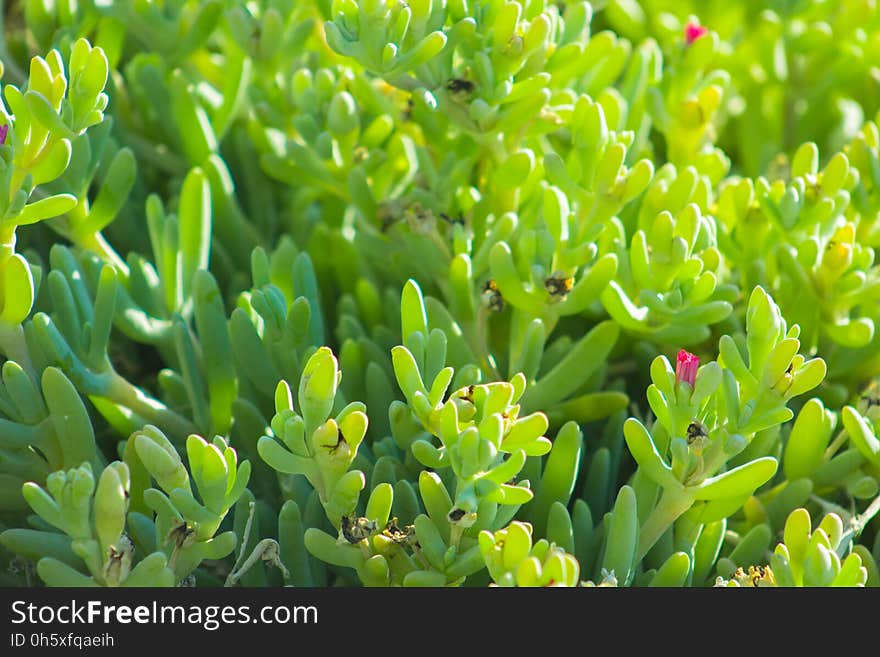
694	31
686	367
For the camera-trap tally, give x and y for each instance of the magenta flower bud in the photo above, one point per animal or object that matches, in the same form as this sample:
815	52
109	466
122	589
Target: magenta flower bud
686	367
693	31
4	130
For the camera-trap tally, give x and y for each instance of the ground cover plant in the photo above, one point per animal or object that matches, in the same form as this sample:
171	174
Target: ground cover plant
439	293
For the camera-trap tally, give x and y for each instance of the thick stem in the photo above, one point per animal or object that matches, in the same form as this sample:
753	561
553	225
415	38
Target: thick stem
714	457
152	410
836	444
96	243
672	504
455	533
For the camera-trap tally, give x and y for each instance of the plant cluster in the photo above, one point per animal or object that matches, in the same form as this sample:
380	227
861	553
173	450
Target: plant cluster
439	293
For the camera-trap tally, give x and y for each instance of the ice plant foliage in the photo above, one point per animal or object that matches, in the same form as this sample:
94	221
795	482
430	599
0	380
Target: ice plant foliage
383	293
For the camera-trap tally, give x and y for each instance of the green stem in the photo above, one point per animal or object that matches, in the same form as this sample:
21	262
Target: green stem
672	504
152	410
98	244
836	444
455	533
423	561
715	457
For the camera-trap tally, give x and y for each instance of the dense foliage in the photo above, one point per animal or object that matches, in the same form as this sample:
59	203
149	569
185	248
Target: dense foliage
439	292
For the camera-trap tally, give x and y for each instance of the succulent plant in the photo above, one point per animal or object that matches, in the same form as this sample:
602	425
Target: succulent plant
440	293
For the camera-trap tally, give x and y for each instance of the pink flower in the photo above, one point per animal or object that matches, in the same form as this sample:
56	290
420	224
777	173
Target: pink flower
686	367
693	31
4	130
